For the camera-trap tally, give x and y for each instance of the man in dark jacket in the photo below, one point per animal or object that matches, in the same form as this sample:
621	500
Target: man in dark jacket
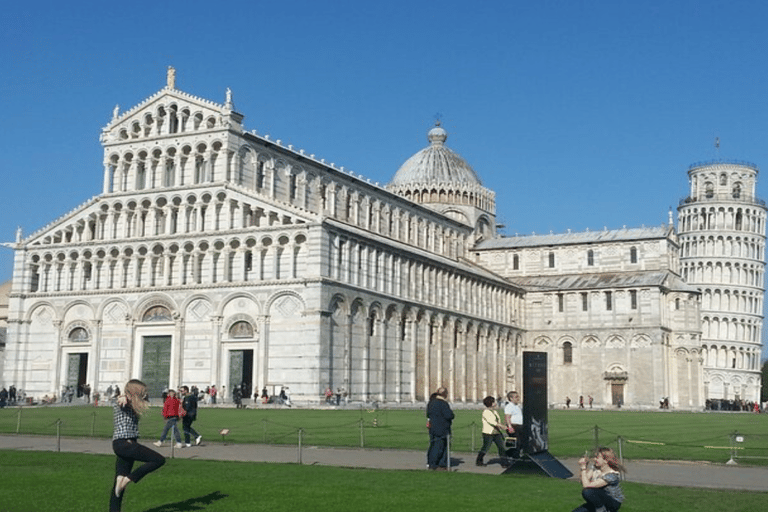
440	416
189	405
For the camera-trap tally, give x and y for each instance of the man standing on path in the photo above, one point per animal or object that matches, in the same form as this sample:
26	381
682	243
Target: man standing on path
189	414
513	416
440	416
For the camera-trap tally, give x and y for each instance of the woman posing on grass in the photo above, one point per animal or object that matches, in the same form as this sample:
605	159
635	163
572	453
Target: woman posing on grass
128	408
601	489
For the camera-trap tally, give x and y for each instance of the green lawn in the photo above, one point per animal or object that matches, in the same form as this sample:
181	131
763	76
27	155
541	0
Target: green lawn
646	435
55	482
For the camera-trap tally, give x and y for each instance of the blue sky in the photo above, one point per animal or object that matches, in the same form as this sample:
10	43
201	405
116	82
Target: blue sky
580	115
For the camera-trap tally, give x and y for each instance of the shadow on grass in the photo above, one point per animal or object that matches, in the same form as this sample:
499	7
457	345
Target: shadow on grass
190	504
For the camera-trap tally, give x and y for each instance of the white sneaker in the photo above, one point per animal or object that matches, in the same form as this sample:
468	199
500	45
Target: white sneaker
158	443
179	445
187	445
198	439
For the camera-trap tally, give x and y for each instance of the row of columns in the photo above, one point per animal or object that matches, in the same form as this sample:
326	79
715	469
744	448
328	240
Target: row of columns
169	269
694	219
701	272
165	171
701	246
377	269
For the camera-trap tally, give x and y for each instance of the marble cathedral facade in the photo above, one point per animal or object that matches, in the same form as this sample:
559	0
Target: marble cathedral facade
218	256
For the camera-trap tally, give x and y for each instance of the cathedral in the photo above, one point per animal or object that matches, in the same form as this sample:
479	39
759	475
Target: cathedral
215	255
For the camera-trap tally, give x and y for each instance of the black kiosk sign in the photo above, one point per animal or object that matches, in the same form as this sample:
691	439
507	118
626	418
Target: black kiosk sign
535	401
535	442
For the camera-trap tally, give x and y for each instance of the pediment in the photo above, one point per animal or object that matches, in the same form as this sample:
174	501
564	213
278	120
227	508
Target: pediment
169	112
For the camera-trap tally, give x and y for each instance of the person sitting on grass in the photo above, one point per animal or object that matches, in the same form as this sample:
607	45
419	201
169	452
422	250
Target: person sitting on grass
171	415
601	490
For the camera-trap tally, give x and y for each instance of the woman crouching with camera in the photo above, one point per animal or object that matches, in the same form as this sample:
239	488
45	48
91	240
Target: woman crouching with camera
600	486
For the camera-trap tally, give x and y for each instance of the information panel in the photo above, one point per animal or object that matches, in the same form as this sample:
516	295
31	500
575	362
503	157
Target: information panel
535	401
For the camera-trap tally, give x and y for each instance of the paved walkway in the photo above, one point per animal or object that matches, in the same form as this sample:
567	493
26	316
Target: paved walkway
683	474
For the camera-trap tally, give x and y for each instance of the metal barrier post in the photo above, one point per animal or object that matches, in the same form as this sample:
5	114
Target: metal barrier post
597	437
362	434
472	429
18	421
301	432
448	449
58	435
732	460
621	450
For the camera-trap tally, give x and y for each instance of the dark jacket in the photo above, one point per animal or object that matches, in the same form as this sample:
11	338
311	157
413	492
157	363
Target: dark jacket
440	417
190	405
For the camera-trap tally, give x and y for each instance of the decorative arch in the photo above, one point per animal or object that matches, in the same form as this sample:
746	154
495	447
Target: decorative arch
78	332
241	326
145	310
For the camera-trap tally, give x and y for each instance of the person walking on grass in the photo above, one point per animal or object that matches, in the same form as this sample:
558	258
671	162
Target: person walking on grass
127	410
171	415
188	415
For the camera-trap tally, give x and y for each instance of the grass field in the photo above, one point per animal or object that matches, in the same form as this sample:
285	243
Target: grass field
645	435
56	482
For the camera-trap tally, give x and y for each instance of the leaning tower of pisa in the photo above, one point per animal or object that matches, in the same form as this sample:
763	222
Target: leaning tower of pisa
721	227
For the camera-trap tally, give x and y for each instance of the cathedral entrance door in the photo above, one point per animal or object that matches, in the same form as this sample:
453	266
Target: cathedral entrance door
617	394
156	364
77	369
241	371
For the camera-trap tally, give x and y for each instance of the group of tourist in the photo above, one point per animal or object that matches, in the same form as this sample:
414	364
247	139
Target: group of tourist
332	398
724	404
581	401
600	475
10	396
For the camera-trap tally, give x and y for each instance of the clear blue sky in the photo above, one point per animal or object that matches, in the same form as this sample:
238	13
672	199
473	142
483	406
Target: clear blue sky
578	114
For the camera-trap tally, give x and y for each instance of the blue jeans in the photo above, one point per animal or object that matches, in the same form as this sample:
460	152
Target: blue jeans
437	455
129	451
595	498
171	423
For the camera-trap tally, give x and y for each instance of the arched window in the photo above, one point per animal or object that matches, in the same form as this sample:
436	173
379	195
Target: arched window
567	353
515	262
241	329
736	190
633	255
78	335
590	257
709	190
551	260
157	314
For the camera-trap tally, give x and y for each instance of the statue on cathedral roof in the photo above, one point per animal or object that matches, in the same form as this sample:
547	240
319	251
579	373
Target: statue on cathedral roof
171	78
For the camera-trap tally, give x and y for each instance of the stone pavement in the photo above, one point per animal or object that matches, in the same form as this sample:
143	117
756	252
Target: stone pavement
683	474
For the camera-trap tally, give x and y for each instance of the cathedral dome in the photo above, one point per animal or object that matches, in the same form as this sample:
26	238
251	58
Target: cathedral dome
435	164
